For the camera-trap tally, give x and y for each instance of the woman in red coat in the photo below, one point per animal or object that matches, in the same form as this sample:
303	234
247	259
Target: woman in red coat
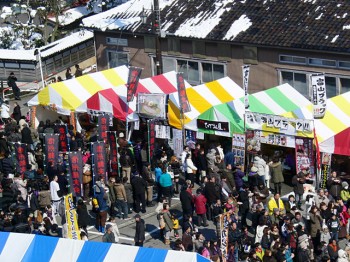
201	209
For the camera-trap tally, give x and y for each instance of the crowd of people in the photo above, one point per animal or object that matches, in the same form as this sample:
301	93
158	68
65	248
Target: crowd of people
213	190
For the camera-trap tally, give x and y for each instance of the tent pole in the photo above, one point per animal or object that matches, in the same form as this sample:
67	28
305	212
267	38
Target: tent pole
183	127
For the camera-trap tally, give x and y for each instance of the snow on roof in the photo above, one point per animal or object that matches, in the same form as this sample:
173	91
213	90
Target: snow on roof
6	11
71	15
240	25
52	48
108	20
202	24
334	39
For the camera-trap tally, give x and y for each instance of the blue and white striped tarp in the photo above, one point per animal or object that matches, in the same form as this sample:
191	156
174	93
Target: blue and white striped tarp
24	247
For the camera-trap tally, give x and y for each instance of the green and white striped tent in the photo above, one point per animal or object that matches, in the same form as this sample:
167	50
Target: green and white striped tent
279	101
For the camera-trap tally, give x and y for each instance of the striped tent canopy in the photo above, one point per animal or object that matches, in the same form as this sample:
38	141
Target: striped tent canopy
26	247
332	130
66	96
202	98
279	101
113	100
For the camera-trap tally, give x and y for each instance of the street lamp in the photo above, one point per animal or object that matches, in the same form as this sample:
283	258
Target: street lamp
37	53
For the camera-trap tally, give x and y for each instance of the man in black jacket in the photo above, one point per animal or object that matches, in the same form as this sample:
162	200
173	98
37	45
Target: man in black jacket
186	200
11	82
139	186
243	197
140	231
212	194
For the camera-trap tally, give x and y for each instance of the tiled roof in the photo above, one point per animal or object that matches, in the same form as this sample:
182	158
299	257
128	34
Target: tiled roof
305	24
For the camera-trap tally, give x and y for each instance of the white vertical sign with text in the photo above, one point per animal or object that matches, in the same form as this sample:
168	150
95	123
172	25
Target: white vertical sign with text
319	95
245	72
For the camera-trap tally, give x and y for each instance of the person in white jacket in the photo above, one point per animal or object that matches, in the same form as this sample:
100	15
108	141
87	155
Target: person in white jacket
5	111
260	164
190	169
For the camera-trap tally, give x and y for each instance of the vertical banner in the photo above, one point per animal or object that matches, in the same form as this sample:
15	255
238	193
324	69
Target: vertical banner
245	73
33	116
325	168
21	157
181	89
133	81
103	127
224	224
71	217
76	173
319	95
63	139
177	142
99	157
151	138
190	138
72	120
304	155
51	148
113	153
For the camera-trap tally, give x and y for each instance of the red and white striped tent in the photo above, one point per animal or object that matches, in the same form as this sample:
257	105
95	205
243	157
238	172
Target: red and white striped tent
113	100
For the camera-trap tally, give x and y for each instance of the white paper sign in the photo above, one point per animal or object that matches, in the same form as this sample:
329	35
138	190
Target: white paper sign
270	121
200	135
319	95
277	122
299	125
245	73
285	124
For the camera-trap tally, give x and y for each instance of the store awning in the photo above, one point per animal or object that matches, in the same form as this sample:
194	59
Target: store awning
278	101
66	96
202	98
333	128
113	100
27	247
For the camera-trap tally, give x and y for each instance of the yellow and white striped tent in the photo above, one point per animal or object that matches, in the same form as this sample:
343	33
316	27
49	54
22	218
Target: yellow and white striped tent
203	97
66	96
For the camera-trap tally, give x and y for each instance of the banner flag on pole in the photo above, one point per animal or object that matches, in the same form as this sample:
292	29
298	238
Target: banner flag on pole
71	217
103	127
63	144
319	95
133	81
245	72
21	157
51	148
151	138
76	173
99	155
181	89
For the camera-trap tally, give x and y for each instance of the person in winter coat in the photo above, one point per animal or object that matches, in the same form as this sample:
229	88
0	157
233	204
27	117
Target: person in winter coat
333	225
334	185
344	193
211	194
260	164
201	210
276	170
168	223
139	186
315	226
238	176
186	199
120	198
16	112
147	176
211	161
11	82
166	184
342	256
298	182
21	186
140	231
187	239
260	229
129	193
176	169
190	169
333	249
303	254
26	135
253	177
101	197
5	111
83	215
276	202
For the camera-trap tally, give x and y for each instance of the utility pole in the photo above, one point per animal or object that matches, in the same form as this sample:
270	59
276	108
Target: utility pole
157	31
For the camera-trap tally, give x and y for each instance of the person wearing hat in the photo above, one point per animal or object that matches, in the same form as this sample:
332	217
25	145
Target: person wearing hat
344	193
108	237
276	171
140	231
253	177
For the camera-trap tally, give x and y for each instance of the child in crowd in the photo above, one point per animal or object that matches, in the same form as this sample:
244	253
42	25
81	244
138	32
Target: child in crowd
176	225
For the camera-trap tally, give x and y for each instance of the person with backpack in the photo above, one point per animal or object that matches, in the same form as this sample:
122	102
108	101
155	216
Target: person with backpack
101	197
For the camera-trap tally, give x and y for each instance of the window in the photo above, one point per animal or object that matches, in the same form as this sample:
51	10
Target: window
322	62
27	66
194	71
150	44
300	81
344	85
115	58
296	80
292	59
